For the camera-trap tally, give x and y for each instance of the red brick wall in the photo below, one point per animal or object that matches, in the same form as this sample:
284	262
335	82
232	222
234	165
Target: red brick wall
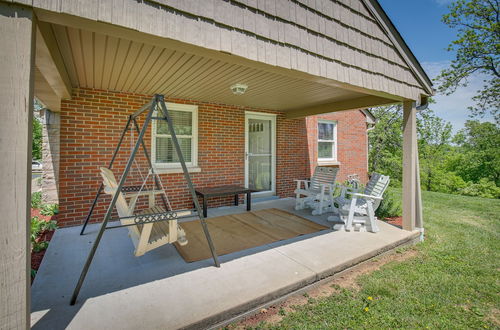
92	121
351	143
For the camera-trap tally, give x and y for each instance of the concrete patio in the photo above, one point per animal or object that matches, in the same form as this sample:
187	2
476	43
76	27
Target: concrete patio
160	290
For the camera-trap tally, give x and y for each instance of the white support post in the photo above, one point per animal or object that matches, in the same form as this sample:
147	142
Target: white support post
17	49
419	220
409	164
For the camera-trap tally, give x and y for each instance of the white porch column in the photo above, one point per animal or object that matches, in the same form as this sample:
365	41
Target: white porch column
409	164
17	40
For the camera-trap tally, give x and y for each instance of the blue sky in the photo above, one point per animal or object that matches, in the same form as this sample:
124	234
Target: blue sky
419	22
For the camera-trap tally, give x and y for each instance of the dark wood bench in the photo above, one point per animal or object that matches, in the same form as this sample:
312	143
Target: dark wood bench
206	193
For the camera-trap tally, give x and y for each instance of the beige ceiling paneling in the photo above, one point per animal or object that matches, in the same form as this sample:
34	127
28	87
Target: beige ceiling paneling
95	60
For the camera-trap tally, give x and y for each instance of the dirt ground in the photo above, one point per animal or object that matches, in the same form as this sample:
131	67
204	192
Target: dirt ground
348	279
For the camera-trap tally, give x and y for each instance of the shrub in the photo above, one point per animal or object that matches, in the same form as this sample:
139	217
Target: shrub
49	209
36	200
447	182
388	206
484	188
39	246
38	226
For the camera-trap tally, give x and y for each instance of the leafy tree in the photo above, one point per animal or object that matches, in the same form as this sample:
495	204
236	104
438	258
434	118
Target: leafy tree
36	151
385	143
478	154
434	136
477	51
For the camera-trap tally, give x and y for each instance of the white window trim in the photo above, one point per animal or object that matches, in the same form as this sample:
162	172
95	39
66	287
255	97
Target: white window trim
333	160
176	167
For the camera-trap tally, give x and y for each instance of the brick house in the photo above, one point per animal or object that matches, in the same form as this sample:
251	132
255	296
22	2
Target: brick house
91	63
91	122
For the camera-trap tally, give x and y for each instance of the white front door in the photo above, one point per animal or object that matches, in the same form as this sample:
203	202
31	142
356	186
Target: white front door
260	152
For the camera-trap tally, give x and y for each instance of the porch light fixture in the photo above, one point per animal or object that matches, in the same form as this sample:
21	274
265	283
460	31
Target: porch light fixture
239	89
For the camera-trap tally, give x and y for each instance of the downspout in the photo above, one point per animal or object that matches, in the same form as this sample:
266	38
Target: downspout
368	129
424	105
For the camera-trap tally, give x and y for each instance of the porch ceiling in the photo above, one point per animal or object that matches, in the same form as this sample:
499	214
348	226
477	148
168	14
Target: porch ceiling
96	60
93	59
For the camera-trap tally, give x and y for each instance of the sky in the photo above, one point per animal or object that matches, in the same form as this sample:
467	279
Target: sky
419	22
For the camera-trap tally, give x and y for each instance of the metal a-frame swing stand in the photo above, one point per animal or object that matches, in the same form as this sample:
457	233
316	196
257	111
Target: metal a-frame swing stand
157	101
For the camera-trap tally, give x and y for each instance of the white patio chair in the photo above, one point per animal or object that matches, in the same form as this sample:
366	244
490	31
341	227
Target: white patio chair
147	236
360	208
317	193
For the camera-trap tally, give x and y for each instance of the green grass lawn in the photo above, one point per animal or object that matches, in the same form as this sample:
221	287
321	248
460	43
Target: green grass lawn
452	283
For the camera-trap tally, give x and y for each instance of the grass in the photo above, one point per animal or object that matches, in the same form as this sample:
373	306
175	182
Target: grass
453	282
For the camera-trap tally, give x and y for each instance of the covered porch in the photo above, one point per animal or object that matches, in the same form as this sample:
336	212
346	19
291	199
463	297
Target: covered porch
161	290
58	51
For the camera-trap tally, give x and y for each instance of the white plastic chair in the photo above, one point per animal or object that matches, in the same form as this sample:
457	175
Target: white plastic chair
317	193
360	209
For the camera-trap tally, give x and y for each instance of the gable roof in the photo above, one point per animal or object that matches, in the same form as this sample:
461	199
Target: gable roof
390	29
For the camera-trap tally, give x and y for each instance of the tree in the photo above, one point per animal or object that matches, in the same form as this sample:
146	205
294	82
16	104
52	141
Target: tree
36	151
434	136
479	152
477	51
36	146
385	143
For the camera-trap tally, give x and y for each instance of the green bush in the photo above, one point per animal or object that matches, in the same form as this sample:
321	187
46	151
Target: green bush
36	200
388	206
49	209
38	226
484	188
40	246
447	182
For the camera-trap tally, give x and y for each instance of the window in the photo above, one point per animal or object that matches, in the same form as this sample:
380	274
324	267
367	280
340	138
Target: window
185	119
327	138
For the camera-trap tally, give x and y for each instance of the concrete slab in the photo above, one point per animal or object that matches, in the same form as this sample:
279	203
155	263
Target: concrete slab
160	290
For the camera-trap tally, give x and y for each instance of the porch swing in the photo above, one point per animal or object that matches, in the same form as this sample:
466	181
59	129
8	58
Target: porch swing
157	225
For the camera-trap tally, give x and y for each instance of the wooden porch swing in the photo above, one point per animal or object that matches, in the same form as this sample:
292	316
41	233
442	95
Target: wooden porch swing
156	225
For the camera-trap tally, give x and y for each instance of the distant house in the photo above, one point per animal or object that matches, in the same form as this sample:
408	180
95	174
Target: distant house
304	64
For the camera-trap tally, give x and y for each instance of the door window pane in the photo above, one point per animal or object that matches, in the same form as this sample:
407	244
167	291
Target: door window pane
260	154
259	173
259	135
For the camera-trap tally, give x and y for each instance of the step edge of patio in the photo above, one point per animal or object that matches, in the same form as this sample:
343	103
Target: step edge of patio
254	306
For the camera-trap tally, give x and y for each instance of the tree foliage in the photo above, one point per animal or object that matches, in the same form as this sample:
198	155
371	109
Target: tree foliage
467	163
36	146
478	152
477	50
36	151
386	143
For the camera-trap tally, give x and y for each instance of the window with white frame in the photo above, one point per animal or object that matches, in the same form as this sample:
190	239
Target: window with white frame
185	120
327	140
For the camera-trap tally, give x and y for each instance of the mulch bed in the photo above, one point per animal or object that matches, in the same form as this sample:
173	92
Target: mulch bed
46	236
395	221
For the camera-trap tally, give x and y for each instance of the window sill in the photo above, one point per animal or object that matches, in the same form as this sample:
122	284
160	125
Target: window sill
328	162
173	170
